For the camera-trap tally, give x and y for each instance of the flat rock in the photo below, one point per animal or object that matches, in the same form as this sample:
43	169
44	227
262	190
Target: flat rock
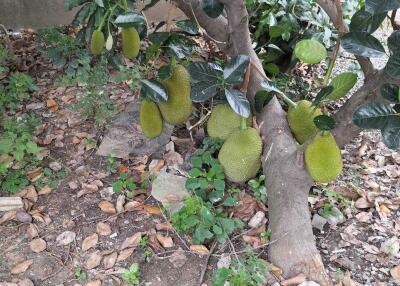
318	222
125	138
170	190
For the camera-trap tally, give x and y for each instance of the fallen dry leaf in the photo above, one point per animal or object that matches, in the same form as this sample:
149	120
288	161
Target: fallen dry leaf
45	190
38	245
164	226
35	174
158	166
94	283
199	249
133	206
25	282
363	203
132	241
122	169
103	229
66	237
32	231
152	210
8	216
28	193
276	270
52	105
120	203
255	241
94	260
395	272
298	279
124	254
107	207
165	241
110	260
21	267
246	208
90	241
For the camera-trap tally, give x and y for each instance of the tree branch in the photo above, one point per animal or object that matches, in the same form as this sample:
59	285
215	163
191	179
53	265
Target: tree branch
334	10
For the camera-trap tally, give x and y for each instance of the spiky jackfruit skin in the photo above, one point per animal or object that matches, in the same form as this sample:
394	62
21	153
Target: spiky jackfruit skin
323	158
130	43
223	121
178	107
150	119
97	42
301	120
240	155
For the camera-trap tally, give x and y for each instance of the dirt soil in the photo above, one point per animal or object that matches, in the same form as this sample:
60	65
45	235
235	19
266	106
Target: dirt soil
91	236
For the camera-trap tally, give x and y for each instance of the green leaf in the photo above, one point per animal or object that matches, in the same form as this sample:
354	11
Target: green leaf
234	71
219	184
217	229
379	6
272	68
362	44
391	132
201	234
261	99
230	202
269	86
100	3
342	84
213	8
197	162
373	115
239	103
324	122
392	67
159	37
154	90
310	51
394	42
178	46
391	92
202	71
363	21
194	173
323	94
165	72
32	148
131	19
188	26
228	225
202	91
216	196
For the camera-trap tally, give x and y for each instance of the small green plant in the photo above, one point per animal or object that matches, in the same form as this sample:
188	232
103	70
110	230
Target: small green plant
94	103
250	271
132	275
204	220
129	75
258	188
144	241
50	178
17	147
266	234
333	198
147	255
144	186
124	182
80	274
15	90
111	163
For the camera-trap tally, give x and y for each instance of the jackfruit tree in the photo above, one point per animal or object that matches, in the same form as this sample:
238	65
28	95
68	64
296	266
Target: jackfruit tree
297	144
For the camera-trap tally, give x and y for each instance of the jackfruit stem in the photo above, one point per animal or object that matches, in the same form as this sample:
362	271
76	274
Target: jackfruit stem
103	21
243	123
125	5
286	99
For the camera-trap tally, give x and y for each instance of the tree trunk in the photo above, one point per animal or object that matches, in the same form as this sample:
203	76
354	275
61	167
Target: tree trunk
288	184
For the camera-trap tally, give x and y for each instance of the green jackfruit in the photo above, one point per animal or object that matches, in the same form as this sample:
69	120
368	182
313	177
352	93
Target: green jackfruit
97	42
301	120
240	155
323	158
178	107
223	121
150	119
130	43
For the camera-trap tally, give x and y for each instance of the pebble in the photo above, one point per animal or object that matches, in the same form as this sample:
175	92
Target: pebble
55	166
257	219
318	222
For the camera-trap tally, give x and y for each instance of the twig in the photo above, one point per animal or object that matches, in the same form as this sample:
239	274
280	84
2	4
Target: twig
246	80
200	121
203	271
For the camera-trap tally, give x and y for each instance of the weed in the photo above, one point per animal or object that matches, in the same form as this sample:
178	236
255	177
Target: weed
111	163
132	275
124	182
144	241
266	234
259	190
129	75
80	274
50	178
147	255
250	271
204	221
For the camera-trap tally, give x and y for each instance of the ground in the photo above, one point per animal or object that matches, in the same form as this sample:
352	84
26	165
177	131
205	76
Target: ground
90	235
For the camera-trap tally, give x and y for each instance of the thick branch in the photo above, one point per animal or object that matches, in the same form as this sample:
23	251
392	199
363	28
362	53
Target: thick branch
346	130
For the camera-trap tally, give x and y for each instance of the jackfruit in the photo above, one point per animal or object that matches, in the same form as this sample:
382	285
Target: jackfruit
150	119
323	158
240	155
97	42
178	107
301	120
130	43
223	121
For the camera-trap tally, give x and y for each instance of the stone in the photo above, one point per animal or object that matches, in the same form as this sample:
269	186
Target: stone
257	219
125	138
170	190
336	217
318	222
391	246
